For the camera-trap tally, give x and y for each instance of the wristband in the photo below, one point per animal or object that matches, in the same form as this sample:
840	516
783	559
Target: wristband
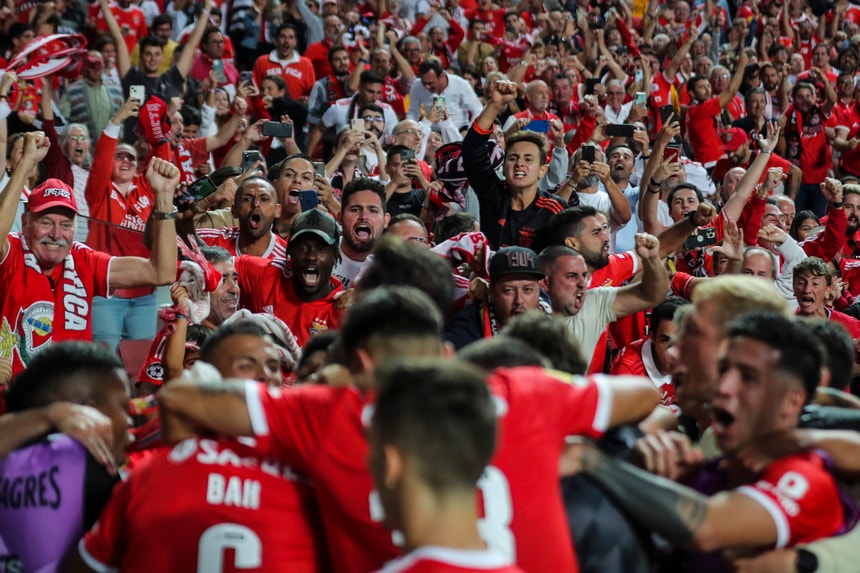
362	60
766	151
164	216
646	157
837	205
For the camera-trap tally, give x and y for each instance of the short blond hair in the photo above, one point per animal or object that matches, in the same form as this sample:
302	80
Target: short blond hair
737	294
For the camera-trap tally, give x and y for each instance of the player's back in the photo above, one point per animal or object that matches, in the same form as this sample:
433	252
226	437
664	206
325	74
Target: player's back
523	514
208	505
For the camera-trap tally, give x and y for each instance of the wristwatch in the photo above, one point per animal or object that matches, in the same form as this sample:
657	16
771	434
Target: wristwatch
806	562
162	215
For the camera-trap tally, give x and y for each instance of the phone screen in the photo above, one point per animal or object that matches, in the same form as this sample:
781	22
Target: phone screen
538	125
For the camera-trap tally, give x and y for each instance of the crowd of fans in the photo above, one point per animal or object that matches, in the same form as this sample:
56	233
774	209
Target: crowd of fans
454	286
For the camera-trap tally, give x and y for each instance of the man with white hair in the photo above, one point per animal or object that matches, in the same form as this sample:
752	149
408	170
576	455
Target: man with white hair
537	100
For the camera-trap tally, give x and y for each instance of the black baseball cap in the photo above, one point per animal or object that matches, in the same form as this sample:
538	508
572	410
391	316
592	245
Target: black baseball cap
315	222
514	261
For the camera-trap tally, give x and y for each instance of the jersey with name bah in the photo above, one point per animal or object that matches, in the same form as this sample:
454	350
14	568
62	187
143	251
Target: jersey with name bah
41	308
206	505
228	238
265	287
448	560
321	430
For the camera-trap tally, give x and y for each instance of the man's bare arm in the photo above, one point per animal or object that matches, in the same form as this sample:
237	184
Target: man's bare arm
199	407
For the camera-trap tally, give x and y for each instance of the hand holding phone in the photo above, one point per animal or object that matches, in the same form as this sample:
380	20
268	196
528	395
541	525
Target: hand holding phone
137	92
308	199
277	129
249	158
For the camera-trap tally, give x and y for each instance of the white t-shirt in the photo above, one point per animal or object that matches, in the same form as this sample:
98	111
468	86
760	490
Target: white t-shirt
589	323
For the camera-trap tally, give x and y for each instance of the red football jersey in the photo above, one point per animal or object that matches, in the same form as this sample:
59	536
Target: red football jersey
206	505
228	238
266	287
297	72
801	496
447	560
34	312
320	431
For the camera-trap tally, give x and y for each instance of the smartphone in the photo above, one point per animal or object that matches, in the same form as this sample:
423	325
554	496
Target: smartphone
308	200
201	188
218	68
319	168
588	154
138	93
704	237
638	75
277	129
639	98
619	130
672	154
245	78
407	155
439	102
666	111
249	158
538	125
357	124
589	85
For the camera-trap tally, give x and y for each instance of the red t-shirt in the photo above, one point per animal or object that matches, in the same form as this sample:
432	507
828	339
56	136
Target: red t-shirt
321	432
447	560
317	53
849	119
298	72
229	509
806	143
636	359
265	287
228	238
702	131
801	496
131	22
30	300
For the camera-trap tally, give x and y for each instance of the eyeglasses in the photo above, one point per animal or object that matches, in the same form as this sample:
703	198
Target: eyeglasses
125	157
419	240
78	137
374	119
846	81
410	131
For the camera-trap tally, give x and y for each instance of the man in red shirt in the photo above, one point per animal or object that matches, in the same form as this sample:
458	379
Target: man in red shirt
318	52
130	18
848	136
804	142
256	206
739	153
284	61
703	115
300	291
48	280
320	430
432	435
650	355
